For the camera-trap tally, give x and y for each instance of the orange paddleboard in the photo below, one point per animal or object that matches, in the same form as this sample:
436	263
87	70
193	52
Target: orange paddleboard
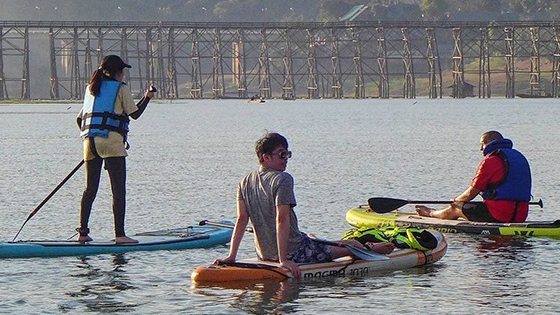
258	271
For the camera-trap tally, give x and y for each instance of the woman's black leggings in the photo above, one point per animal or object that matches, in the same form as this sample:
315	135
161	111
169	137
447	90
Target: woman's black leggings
116	167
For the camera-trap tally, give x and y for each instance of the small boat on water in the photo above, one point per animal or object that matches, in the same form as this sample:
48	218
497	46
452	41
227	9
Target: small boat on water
256	99
535	94
171	239
254	270
525	95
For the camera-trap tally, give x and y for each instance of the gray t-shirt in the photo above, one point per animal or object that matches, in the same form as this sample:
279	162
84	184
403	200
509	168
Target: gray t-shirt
262	191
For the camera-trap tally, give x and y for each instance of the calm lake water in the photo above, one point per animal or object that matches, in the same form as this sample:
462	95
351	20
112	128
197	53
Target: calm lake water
186	158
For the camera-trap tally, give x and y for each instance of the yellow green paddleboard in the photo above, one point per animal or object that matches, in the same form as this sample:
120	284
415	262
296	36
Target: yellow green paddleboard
363	216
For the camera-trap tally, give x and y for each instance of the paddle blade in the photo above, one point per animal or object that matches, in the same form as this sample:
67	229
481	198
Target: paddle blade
539	203
224	225
356	251
384	205
365	254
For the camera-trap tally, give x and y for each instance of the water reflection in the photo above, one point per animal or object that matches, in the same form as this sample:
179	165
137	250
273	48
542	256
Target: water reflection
507	281
272	297
509	246
101	286
290	296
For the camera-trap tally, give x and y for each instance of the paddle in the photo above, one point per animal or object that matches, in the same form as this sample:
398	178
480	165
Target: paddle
384	205
356	251
220	224
49	196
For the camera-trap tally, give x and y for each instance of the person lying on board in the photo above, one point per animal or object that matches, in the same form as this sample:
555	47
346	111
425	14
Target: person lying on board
266	197
503	178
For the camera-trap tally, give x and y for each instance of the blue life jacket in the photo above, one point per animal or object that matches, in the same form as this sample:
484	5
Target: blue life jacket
98	115
516	183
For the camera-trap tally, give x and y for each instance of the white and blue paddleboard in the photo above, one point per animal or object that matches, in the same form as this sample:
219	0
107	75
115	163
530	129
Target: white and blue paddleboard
172	239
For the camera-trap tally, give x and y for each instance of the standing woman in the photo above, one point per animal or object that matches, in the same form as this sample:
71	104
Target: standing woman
103	121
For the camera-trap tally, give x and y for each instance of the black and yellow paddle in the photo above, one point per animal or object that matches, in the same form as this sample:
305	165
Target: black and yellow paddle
384	205
49	196
356	251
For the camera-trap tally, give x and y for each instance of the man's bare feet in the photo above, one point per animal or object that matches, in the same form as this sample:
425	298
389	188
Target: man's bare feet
423	211
124	240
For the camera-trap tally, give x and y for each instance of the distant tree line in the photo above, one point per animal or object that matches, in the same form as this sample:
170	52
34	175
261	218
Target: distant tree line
277	10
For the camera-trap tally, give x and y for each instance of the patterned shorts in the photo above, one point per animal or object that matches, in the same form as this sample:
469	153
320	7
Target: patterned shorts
310	251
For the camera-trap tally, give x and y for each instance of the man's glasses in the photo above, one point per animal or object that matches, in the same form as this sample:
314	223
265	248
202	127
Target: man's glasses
285	154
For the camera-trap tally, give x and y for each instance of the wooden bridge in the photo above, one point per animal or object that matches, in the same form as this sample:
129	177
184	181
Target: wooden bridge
54	60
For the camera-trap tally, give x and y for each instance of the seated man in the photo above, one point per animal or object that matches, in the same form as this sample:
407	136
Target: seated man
504	179
266	197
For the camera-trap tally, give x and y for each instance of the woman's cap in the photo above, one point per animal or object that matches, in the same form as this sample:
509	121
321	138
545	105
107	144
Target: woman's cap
113	63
